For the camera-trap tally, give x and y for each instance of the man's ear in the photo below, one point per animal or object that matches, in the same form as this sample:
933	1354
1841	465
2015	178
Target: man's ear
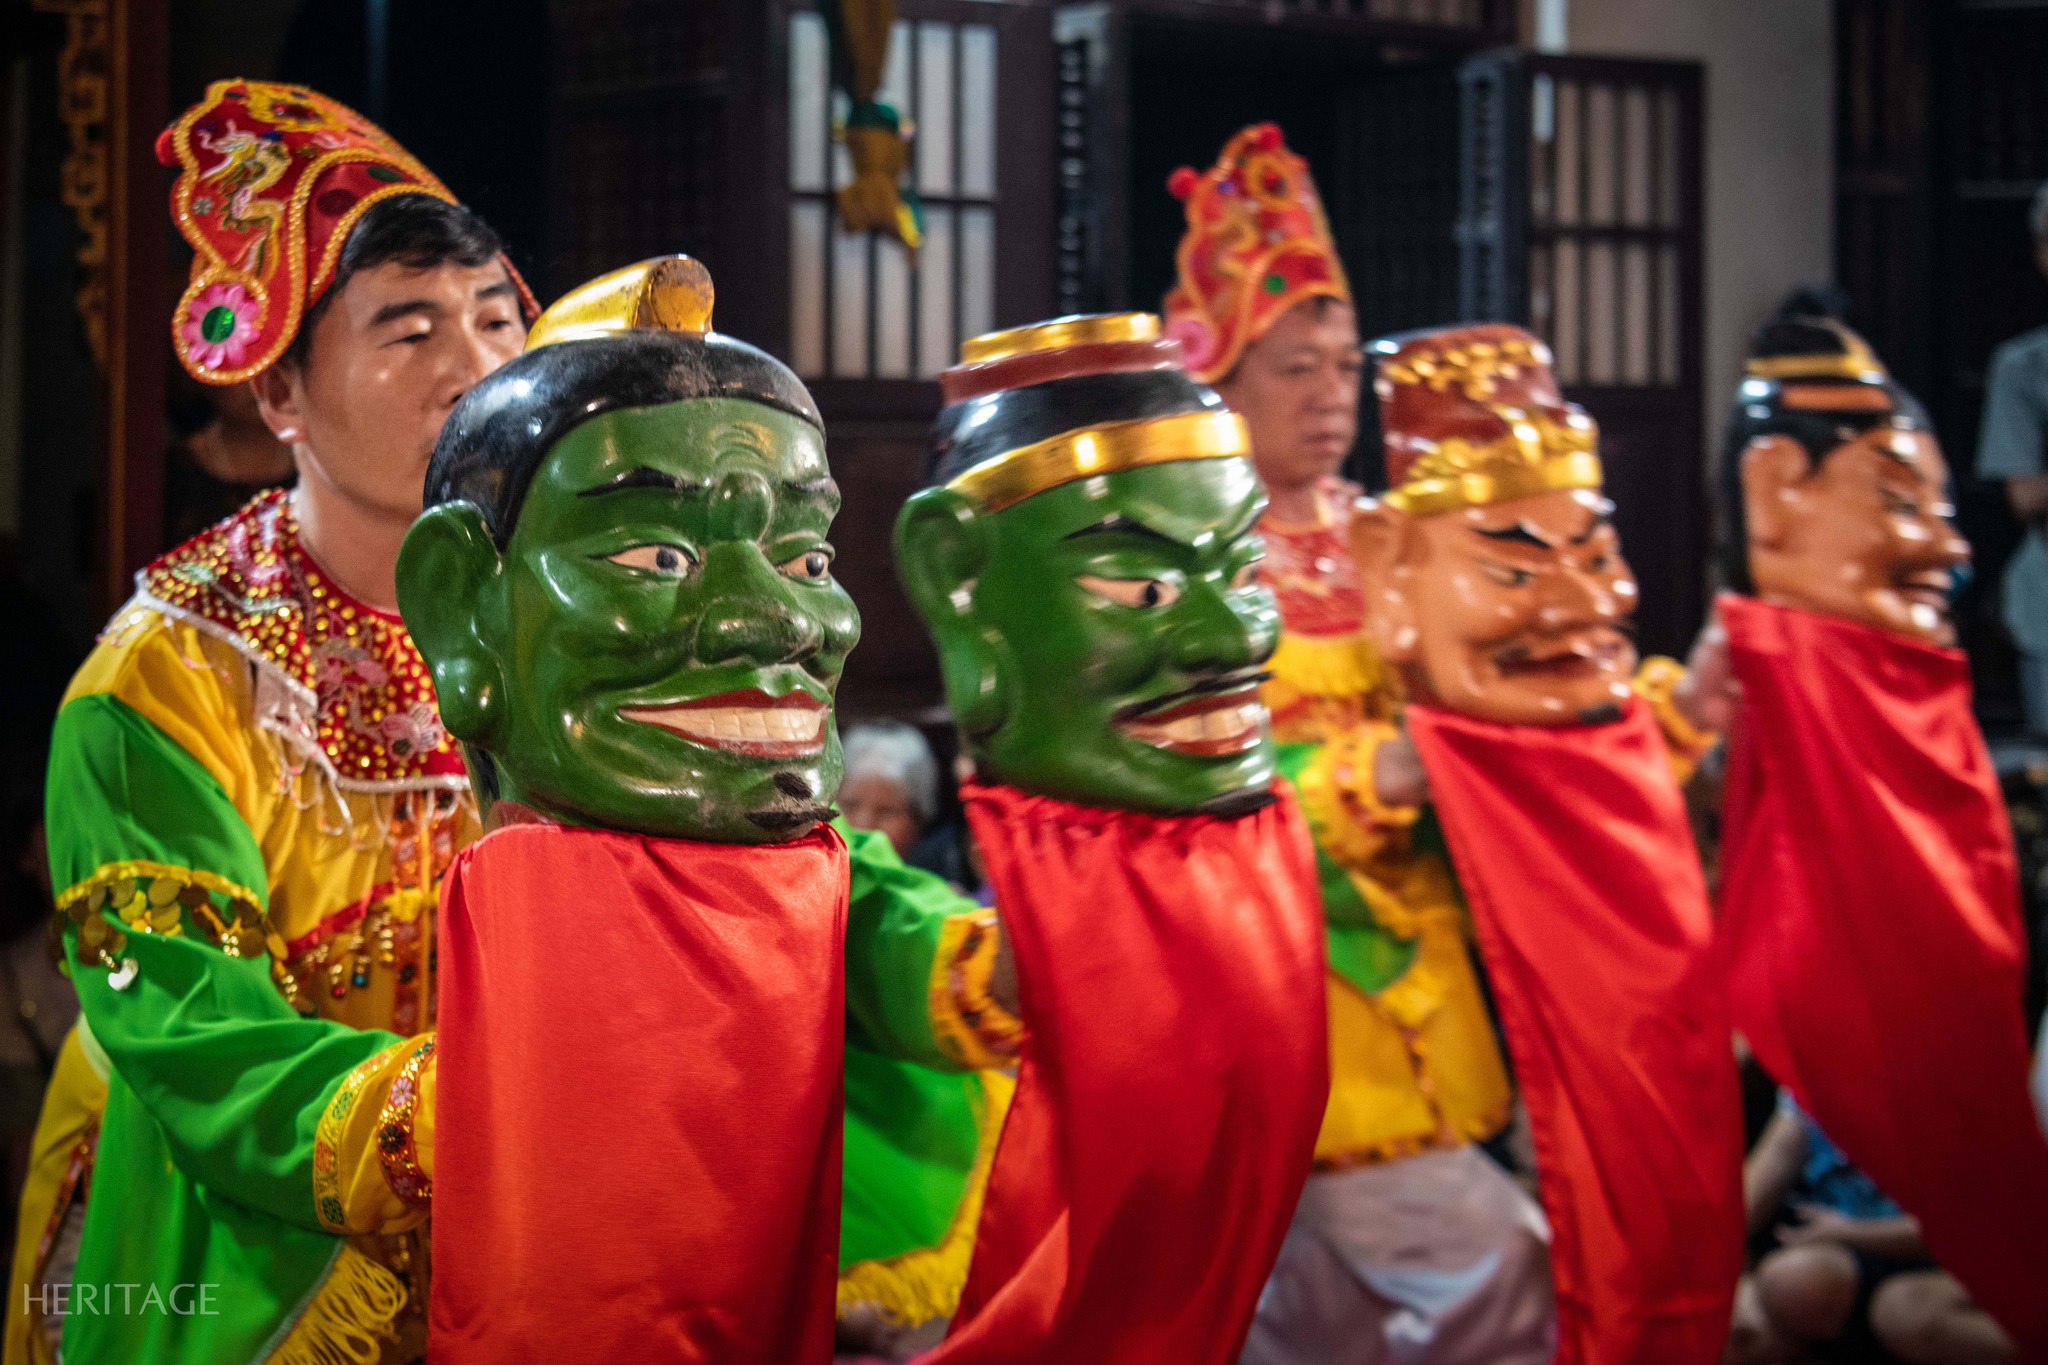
1774	468
446	567
942	542
1380	536
277	402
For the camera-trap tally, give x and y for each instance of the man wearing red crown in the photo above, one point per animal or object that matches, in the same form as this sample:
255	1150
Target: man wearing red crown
1264	312
250	776
253	803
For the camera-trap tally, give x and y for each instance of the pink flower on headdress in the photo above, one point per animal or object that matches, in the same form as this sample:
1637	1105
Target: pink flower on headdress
219	327
1197	340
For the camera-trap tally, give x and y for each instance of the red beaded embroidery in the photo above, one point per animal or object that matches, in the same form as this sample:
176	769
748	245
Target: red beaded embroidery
365	710
395	1148
1310	570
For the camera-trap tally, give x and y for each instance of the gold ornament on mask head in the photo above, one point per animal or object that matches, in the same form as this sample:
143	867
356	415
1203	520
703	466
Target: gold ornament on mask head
1472	416
1000	445
666	293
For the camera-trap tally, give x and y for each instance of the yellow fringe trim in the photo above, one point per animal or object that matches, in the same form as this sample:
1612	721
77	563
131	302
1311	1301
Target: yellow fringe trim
1327	665
348	1319
108	873
920	1285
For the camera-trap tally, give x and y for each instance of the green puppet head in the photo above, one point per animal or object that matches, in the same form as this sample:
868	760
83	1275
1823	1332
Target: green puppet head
622	582
1084	560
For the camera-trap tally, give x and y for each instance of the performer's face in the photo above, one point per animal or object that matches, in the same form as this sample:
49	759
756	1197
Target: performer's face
1297	389
663	635
1864	536
1102	641
1516	612
386	362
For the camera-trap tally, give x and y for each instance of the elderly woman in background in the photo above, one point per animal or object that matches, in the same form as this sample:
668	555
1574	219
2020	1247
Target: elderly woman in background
892	782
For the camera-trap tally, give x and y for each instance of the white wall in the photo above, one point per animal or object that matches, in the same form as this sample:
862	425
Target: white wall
1770	149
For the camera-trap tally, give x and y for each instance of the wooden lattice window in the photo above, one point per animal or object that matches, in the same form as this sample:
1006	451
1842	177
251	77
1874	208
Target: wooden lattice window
861	306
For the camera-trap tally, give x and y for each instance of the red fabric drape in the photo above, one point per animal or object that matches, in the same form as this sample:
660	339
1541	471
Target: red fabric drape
1870	907
1574	854
1170	1089
637	1129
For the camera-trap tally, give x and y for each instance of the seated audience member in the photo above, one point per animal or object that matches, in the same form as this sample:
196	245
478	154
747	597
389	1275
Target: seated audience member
1849	1276
892	782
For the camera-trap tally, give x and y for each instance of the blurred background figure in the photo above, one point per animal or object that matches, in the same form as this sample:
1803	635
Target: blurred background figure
892	782
2009	448
1845	1274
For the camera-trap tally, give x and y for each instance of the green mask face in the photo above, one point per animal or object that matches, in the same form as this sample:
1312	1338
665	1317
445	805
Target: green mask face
657	647
1101	641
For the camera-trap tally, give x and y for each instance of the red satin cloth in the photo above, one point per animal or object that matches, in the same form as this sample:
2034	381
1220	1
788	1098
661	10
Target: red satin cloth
1574	854
1870	906
1170	1089
638	1131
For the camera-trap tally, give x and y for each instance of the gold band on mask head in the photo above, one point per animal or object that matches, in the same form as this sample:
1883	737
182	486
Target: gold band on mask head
665	293
1015	475
1539	454
1854	361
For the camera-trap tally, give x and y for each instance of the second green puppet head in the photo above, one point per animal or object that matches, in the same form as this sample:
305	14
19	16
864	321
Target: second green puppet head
622	582
1083	558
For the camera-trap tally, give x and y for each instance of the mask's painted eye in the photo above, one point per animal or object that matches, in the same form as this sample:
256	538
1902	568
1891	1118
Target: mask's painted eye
1506	575
1132	592
812	566
671	560
1246	577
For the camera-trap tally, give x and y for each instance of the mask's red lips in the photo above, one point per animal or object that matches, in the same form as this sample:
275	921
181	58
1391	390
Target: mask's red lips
747	721
1203	727
1583	656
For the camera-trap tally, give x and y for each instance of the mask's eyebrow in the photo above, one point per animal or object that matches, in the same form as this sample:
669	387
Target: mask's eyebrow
1247	517
1598	520
1120	525
643	477
1518	534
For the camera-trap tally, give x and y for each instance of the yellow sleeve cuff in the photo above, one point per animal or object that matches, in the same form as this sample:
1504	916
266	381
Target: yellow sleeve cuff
1343	806
967	1023
367	1172
1656	682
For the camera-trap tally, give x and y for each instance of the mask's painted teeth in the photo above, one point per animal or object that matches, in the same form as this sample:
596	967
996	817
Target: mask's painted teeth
1225	729
783	731
744	723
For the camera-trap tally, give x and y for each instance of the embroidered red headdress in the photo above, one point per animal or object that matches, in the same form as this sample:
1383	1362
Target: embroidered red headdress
1257	244
1473	416
271	180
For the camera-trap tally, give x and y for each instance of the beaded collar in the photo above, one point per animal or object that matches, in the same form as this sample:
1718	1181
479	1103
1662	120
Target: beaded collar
340	681
1309	570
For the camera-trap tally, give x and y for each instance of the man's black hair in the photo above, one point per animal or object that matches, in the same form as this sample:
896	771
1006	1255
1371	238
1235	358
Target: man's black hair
502	429
418	231
1760	411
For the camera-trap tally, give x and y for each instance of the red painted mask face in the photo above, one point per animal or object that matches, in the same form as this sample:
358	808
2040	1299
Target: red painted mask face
1865	535
1513	612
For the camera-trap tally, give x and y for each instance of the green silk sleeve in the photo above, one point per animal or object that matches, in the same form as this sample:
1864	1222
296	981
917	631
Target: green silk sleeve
154	860
894	915
1359	950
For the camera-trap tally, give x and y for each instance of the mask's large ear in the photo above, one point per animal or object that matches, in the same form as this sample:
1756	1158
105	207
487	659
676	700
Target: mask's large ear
446	570
942	542
1773	470
1379	538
